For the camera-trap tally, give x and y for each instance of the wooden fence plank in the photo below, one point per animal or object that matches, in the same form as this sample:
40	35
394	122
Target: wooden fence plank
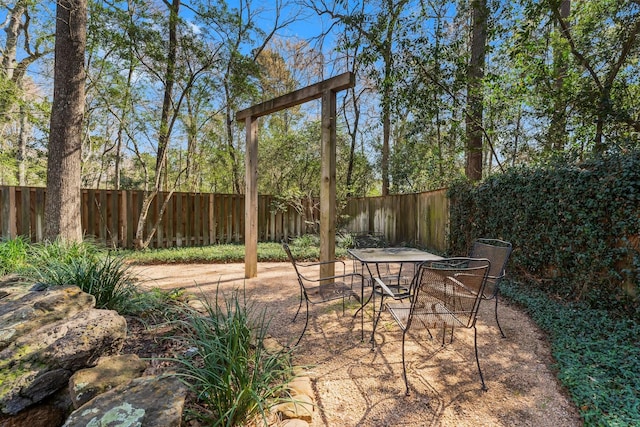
39	213
32	214
131	224
25	210
219	215
240	220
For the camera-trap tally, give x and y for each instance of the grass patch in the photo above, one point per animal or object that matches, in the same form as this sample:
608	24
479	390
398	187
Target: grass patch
305	249
596	355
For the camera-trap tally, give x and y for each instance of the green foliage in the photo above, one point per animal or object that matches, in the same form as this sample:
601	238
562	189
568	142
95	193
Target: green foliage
59	251
362	240
596	355
307	246
156	305
106	277
574	225
233	376
13	255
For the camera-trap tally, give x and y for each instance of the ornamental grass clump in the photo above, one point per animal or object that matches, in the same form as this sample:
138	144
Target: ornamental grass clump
13	255
106	276
233	377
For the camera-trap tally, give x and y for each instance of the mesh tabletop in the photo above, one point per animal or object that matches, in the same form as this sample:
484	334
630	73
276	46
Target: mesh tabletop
392	255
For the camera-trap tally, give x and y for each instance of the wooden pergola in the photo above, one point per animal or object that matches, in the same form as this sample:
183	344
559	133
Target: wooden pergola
326	90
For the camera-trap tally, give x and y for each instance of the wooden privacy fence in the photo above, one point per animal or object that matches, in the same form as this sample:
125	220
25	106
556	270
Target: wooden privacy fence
190	219
198	219
419	219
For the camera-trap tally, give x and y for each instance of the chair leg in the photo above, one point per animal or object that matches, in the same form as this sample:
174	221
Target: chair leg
404	368
361	310
306	322
497	321
299	305
375	323
444	334
475	345
362	304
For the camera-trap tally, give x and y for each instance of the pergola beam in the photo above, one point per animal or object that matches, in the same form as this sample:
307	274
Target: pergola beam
300	96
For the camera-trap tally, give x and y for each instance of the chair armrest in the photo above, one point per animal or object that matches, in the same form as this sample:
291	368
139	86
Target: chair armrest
312	264
458	283
337	262
339	276
315	264
384	287
496	278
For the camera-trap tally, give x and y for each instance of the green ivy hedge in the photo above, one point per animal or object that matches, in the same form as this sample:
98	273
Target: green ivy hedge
575	226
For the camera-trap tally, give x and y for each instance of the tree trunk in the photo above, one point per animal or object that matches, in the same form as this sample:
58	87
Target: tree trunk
558	126
62	207
191	128
235	168
353	135
23	136
386	133
170	78
12	67
140	242
13	31
475	74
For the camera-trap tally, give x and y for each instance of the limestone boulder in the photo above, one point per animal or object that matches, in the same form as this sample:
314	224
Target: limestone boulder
299	407
24	310
145	402
293	422
36	416
39	363
109	372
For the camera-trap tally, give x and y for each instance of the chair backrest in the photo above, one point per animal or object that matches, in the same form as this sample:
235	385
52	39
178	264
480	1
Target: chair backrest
449	291
286	248
372	239
498	252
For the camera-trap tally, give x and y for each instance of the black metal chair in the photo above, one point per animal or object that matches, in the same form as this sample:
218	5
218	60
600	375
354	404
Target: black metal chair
318	290
396	283
447	293
395	279
371	239
498	252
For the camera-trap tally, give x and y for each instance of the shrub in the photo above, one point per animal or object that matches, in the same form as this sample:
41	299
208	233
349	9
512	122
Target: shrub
307	241
61	252
231	374
574	226
156	304
13	255
105	276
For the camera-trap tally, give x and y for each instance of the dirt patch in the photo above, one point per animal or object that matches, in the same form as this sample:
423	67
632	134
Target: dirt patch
356	386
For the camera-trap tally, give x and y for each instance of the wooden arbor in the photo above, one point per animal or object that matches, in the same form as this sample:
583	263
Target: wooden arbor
326	90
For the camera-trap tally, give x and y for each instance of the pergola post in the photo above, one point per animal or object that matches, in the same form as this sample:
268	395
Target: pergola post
328	184
251	199
326	90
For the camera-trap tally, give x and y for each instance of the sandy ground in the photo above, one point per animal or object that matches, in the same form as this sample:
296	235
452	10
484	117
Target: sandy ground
356	386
